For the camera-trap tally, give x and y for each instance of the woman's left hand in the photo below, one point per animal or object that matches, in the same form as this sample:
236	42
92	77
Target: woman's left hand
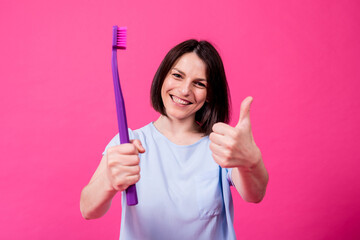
235	146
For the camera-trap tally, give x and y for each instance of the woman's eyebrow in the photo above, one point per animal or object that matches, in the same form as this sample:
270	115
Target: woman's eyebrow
199	79
179	71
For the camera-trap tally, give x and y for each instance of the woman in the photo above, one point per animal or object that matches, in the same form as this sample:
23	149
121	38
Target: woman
188	158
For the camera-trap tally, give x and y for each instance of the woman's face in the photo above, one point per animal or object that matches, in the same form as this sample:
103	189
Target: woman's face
184	89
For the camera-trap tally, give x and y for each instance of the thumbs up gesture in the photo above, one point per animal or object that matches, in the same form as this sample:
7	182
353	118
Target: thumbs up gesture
235	146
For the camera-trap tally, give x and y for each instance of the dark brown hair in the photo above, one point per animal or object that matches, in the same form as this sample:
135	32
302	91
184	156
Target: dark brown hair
217	106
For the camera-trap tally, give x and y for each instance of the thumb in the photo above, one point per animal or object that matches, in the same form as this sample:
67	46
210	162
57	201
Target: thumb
138	145
245	109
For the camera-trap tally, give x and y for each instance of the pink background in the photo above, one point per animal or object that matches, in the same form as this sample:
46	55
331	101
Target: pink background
298	59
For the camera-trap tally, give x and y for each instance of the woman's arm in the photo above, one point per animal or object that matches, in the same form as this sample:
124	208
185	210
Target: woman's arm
251	182
96	197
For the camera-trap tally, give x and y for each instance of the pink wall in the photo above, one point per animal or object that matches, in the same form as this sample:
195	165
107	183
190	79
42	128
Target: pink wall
298	59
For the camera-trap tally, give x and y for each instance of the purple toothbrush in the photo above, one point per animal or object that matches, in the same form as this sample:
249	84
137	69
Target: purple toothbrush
119	42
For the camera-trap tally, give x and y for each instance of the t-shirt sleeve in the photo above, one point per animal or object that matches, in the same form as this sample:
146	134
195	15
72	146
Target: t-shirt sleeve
116	140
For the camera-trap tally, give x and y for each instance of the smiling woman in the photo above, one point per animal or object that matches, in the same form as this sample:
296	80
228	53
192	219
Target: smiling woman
188	158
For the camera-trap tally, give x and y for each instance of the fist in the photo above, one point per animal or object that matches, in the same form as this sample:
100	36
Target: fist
123	167
235	146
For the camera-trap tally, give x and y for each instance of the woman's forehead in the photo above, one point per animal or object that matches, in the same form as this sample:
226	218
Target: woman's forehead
190	63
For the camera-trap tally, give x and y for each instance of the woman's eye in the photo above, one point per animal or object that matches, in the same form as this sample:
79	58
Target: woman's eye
200	84
176	75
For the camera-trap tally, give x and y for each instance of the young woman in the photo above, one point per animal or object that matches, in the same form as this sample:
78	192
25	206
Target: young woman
188	158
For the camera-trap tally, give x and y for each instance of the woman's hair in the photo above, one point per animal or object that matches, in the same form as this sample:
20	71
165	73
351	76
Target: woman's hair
217	105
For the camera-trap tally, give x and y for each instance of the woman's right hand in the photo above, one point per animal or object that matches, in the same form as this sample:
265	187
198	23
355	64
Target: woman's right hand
123	167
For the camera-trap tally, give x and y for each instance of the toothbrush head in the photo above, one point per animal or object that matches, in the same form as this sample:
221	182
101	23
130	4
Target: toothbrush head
119	37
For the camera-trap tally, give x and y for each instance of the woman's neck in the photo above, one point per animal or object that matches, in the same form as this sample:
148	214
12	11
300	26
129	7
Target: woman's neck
179	132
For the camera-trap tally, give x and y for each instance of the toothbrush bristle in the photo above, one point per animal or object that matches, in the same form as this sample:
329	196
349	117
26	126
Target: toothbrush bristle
121	37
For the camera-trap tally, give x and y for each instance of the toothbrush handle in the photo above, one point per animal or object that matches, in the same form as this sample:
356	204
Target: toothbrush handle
131	196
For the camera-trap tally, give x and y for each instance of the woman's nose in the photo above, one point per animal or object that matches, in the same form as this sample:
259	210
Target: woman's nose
185	87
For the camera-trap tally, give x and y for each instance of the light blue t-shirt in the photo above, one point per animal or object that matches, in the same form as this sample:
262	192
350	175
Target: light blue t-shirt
182	192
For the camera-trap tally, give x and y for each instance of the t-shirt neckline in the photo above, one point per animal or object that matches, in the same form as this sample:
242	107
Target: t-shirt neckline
172	143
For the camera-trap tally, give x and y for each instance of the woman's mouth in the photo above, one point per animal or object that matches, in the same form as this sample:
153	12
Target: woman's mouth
179	100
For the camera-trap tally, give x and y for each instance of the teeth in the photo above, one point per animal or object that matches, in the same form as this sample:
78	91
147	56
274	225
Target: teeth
178	100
